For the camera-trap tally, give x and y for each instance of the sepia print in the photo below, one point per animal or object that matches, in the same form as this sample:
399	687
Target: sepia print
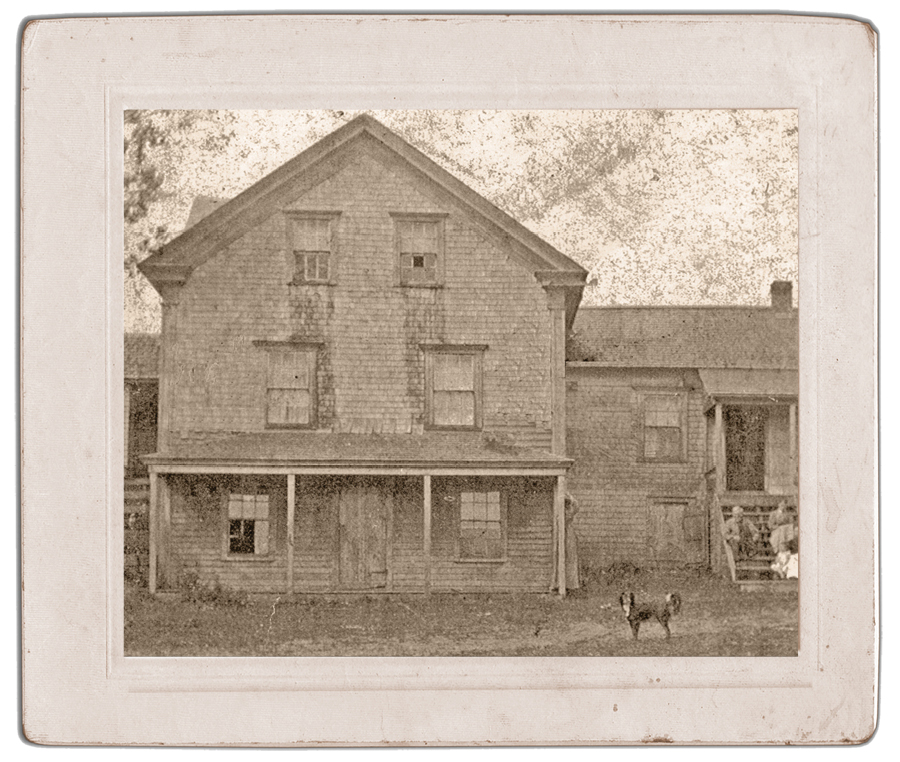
430	425
461	383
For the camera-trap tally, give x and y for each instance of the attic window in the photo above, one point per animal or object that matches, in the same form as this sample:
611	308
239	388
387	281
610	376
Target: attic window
311	243
420	244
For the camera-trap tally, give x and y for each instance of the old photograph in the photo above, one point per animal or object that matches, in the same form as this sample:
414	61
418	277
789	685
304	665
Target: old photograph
461	383
449	380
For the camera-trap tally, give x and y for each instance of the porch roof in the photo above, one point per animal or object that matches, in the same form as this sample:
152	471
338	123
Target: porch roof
389	452
750	382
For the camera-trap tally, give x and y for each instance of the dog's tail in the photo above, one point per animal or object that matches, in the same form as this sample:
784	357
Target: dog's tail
673	603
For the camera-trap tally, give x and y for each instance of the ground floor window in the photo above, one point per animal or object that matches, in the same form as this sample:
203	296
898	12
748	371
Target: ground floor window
481	526
248	525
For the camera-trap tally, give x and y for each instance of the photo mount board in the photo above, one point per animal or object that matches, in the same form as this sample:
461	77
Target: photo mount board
79	75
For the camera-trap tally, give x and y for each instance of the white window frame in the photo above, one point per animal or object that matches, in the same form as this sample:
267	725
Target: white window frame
494	504
277	386
301	258
406	257
432	353
249	504
646	413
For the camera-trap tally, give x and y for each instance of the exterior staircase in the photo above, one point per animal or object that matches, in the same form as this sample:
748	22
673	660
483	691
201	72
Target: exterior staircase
753	573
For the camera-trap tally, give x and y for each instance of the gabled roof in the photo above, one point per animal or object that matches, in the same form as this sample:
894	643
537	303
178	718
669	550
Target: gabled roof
225	224
141	355
686	337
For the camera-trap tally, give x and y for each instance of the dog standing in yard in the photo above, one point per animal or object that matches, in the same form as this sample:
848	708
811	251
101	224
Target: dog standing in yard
663	611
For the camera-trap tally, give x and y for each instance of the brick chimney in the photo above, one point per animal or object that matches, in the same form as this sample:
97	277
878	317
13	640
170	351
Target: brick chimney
782	295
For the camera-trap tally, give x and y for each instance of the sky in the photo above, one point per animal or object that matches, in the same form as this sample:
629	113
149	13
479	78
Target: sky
662	207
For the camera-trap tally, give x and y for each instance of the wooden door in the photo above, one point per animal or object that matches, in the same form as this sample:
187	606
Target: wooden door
677	533
365	506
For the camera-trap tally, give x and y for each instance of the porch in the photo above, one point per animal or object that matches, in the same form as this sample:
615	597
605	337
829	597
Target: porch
489	521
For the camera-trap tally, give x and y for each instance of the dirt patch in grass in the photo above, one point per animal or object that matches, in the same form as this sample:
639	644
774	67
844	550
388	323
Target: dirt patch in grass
716	619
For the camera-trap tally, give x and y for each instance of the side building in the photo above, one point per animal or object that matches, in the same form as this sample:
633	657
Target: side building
675	416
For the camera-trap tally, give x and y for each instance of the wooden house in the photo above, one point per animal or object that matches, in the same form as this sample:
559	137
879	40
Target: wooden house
361	384
675	415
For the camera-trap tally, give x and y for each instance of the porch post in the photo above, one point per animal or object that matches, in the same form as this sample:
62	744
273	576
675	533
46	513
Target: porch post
426	528
719	449
127	424
153	529
162	564
291	496
793	439
559	511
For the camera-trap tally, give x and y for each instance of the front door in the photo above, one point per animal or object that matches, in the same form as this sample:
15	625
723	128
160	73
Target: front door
365	506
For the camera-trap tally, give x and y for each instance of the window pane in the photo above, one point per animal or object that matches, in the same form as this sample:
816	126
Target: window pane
418	236
662	410
261	537
493	506
454	372
662	443
240	538
288	406
312	235
454	408
289	369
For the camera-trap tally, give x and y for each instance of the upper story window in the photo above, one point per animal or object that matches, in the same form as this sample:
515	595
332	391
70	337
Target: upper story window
453	386
420	248
312	243
663	426
291	386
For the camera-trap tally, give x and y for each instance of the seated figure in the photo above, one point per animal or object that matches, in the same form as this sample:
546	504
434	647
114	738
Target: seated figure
741	534
783	528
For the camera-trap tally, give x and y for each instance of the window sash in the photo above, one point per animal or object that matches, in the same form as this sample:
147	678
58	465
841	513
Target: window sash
290	387
248	524
419	247
481	531
663	426
312	244
454	388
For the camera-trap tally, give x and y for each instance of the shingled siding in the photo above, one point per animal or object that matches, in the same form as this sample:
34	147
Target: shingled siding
616	488
370	372
199	528
199	533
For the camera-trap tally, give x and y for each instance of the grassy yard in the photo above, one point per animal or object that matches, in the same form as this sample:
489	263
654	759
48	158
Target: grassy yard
716	620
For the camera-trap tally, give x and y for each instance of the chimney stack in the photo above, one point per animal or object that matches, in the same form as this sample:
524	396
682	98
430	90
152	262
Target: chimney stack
782	295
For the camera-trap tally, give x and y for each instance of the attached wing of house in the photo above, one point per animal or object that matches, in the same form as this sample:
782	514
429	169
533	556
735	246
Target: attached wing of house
676	415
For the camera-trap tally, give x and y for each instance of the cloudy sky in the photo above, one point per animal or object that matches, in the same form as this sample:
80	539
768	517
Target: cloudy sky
663	207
